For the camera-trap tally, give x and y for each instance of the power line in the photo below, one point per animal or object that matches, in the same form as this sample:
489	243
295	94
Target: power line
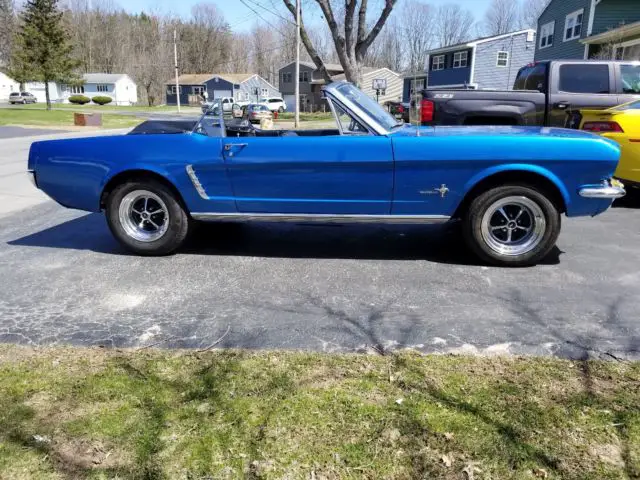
244	2
272	12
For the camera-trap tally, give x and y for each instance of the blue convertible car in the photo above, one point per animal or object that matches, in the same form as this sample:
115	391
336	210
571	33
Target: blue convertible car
507	185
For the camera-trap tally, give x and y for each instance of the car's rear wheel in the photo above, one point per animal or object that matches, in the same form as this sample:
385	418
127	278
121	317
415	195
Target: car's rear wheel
147	218
512	226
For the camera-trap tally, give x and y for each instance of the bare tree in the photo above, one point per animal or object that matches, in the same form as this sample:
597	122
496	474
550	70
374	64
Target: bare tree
530	11
452	25
352	39
501	17
418	21
7	24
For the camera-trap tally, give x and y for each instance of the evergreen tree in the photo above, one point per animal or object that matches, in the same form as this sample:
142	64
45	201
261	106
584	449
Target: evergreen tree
42	51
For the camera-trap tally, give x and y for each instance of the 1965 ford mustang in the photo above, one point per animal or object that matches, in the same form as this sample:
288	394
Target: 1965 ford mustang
507	185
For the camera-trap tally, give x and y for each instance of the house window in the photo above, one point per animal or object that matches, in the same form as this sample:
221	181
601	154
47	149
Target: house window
304	76
197	90
546	34
102	88
503	59
75	89
172	89
265	92
417	85
438	62
460	60
242	96
573	25
287	77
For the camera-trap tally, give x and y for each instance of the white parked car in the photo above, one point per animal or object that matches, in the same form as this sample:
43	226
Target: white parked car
275	104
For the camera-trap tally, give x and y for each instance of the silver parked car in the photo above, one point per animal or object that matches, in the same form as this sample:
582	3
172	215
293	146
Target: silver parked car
22	97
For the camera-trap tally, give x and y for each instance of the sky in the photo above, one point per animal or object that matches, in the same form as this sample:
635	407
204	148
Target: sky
242	18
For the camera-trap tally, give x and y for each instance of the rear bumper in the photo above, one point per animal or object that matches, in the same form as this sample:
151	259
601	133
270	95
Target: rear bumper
608	189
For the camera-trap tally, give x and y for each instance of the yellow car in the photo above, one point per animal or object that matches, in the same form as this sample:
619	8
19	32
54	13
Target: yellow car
621	124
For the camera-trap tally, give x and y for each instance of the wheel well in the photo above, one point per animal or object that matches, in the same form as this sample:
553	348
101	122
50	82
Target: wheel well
528	179
488	120
137	175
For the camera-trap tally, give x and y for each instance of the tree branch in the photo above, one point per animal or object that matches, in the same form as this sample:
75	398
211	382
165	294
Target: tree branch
308	44
362	21
362	46
350	10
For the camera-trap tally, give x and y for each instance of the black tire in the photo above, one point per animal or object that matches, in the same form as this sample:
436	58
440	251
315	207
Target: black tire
179	221
280	110
535	203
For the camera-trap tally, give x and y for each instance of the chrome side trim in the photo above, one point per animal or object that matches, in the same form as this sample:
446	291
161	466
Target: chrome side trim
317	218
196	183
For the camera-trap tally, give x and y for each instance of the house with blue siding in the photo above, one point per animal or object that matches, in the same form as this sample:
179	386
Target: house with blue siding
583	29
241	86
485	63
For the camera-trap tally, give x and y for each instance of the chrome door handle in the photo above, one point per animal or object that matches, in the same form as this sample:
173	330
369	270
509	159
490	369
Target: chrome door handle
229	146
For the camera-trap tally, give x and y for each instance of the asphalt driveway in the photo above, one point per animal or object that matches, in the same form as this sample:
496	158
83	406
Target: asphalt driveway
333	288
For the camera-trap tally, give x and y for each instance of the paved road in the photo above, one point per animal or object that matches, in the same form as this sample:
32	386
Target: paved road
331	288
17	132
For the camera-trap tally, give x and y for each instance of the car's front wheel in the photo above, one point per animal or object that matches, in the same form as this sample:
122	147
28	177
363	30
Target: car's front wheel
281	110
147	218
512	225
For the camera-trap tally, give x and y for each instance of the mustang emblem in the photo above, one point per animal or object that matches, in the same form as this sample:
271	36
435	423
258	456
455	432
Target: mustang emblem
442	191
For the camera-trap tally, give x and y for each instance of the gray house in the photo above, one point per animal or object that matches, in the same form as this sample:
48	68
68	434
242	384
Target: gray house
241	86
489	63
310	84
583	29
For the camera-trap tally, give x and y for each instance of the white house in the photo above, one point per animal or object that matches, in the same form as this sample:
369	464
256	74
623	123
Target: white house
119	86
392	80
37	89
7	85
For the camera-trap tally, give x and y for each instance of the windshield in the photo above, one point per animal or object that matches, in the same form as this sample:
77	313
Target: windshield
350	95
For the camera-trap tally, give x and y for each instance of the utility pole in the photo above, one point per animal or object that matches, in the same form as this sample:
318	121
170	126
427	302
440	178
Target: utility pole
297	116
175	59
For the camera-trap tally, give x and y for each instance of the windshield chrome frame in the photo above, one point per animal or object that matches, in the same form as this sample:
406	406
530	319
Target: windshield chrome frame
336	117
223	129
331	91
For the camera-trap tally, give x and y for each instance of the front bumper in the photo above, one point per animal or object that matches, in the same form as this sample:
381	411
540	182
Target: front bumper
608	189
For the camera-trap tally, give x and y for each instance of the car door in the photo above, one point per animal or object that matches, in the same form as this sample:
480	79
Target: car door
580	86
329	174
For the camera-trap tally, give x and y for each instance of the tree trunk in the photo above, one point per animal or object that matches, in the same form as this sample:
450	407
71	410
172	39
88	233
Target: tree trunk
46	93
147	87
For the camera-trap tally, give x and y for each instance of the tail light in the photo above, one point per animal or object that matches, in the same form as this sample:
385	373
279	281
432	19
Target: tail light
603	127
400	109
426	110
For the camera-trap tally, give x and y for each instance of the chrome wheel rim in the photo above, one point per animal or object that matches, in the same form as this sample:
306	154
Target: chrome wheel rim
144	216
513	226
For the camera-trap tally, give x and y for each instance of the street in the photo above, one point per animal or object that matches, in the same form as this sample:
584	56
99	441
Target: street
329	288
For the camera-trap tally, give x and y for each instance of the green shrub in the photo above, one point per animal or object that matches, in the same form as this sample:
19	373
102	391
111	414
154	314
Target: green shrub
101	99
79	99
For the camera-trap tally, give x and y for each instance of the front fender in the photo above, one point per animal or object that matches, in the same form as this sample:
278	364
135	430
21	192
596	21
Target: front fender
521	167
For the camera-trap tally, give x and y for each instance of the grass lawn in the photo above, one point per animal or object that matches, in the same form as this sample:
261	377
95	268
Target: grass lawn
113	108
59	118
92	413
306	117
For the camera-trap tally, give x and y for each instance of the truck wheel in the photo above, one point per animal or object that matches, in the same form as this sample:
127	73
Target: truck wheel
512	226
147	218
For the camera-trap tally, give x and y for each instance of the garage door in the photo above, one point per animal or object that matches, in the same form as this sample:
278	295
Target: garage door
290	100
222	93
